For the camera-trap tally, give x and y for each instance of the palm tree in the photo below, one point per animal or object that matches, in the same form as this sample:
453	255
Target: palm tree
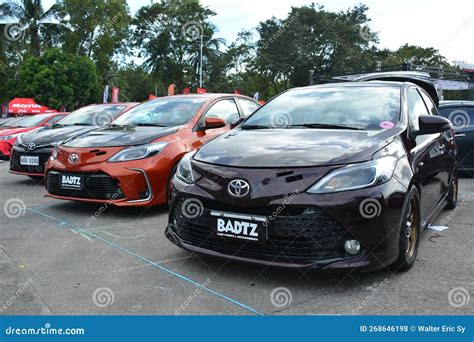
33	18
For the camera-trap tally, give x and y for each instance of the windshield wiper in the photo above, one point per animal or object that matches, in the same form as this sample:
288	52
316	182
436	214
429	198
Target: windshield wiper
255	127
150	124
328	126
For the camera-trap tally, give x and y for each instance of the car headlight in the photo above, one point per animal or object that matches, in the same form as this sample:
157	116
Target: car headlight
18	141
55	152
356	176
137	152
184	170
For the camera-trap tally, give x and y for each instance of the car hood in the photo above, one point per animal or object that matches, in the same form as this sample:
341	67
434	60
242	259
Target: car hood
120	136
274	148
49	135
11	131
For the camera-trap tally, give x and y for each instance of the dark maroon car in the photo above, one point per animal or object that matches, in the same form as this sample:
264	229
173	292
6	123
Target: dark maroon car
330	177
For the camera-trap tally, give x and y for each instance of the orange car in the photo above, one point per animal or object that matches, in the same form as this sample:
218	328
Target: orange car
131	161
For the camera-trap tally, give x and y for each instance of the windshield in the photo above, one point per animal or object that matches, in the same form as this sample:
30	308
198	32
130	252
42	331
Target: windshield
31	121
96	115
368	108
165	111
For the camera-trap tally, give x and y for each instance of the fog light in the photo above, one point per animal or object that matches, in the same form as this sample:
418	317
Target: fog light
352	246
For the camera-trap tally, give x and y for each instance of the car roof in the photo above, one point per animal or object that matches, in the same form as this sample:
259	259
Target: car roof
206	95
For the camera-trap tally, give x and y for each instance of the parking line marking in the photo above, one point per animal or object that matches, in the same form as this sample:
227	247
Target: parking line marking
180	276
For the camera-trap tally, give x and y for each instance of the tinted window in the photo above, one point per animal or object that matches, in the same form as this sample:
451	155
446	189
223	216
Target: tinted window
416	107
96	115
166	111
224	109
248	107
366	107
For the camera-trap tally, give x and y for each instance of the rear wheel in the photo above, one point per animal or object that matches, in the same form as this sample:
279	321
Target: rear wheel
410	231
452	197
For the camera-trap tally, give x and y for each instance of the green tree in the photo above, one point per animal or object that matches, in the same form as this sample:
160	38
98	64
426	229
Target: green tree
167	35
57	79
416	54
33	19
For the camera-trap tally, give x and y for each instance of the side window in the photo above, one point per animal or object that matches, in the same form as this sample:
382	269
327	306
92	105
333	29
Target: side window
416	107
224	109
248	107
54	119
429	104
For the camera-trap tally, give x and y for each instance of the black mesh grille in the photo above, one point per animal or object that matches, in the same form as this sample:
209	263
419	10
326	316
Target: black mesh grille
17	167
295	234
95	186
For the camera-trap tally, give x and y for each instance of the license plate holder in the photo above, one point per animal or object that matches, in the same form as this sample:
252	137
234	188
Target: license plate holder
29	160
240	227
71	182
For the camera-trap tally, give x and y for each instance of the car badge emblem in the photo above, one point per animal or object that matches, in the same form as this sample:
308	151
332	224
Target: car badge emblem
73	158
238	188
31	146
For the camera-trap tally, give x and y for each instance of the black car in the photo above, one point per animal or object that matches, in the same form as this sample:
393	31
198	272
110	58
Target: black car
331	177
461	114
32	149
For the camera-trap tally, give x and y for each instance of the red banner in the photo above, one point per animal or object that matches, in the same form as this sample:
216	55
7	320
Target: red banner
171	90
115	94
27	106
201	90
186	90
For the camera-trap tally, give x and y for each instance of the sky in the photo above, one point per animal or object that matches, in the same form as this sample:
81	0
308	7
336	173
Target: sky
445	25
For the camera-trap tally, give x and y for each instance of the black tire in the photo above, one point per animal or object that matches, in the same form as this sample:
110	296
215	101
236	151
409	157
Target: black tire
452	198
410	231
168	184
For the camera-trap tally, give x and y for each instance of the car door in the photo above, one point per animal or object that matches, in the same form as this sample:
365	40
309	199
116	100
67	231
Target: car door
225	109
428	156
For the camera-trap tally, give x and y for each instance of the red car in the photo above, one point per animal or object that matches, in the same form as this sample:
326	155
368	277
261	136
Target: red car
131	161
9	136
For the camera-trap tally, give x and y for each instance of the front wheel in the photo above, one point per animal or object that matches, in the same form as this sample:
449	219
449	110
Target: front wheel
410	231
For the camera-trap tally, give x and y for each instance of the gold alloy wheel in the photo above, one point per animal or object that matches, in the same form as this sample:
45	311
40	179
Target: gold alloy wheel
411	229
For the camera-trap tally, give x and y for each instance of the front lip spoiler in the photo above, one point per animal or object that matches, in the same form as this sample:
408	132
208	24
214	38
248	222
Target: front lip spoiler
359	261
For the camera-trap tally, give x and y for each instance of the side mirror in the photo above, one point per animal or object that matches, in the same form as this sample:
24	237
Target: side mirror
210	123
431	124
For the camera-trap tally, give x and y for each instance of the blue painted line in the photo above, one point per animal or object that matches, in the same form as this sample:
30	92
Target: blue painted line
180	276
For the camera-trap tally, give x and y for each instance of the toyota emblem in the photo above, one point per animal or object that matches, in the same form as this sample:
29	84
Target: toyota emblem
73	158
31	146
238	188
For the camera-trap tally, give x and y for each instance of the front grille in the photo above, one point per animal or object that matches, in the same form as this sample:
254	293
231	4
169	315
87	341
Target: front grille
295	234
17	167
95	186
